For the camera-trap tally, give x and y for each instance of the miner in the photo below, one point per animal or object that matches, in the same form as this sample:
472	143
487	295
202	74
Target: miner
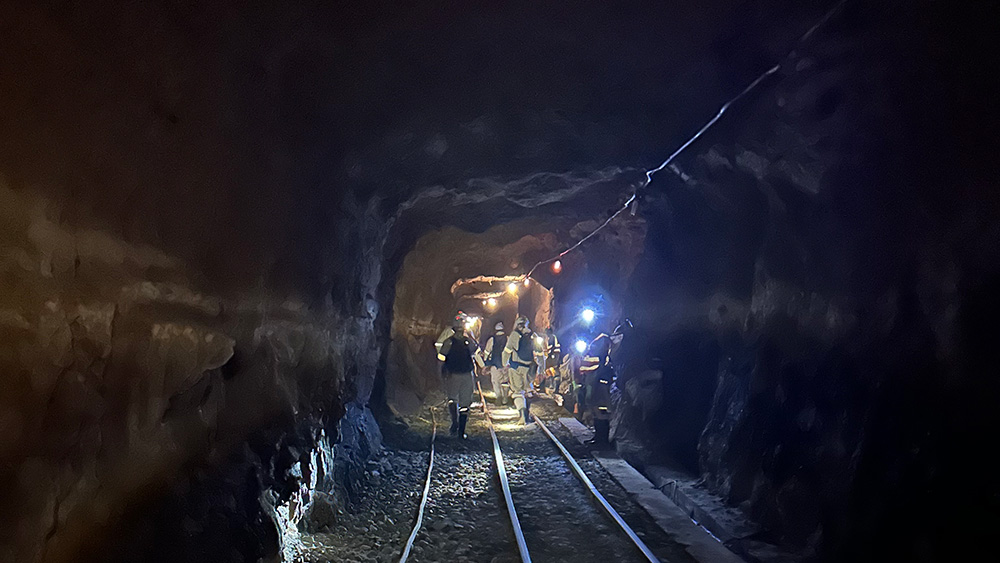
456	351
493	351
518	354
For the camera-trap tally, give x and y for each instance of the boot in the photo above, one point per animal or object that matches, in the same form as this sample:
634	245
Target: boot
453	411
527	415
462	420
601	430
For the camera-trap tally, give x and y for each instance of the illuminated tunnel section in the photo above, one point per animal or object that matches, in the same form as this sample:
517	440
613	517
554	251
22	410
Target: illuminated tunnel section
481	274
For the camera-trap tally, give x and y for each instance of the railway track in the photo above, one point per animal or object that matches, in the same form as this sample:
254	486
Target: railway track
550	510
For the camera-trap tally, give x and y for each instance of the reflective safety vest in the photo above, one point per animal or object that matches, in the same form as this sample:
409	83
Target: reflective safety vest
496	352
525	350
596	368
553	350
459	357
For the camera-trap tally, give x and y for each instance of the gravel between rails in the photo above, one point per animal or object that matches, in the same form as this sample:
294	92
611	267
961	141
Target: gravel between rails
465	518
662	545
559	520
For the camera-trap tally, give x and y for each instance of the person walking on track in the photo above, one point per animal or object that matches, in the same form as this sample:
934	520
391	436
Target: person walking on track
457	372
519	355
494	362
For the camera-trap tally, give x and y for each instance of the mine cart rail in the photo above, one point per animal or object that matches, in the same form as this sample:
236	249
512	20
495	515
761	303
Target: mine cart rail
522	546
502	474
423	498
608	509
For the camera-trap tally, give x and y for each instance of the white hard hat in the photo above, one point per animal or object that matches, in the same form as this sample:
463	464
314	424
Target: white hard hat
498	326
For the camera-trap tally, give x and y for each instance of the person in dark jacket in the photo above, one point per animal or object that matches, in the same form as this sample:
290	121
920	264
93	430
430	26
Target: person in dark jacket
458	374
598	376
603	357
553	358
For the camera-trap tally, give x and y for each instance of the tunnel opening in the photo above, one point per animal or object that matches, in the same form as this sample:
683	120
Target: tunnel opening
482	273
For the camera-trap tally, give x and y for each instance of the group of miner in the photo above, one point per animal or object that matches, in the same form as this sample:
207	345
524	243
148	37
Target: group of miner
522	364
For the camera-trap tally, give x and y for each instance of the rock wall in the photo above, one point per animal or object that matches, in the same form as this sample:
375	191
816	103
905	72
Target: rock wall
187	299
820	350
125	381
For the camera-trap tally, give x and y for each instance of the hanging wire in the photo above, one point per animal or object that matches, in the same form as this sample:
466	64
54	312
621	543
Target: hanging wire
584	239
649	173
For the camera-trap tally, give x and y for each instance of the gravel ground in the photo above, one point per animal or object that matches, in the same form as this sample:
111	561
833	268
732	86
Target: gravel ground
466	519
374	529
559	521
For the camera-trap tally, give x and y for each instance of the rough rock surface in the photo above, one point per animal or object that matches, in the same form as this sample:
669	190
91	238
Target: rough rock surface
814	308
120	372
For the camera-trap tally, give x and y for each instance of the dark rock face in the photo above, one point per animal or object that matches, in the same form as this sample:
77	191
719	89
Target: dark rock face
125	372
179	322
827	308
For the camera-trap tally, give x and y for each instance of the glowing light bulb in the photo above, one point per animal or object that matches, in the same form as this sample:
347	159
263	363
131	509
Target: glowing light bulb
491	302
557	266
587	315
527	282
580	346
484	302
512	287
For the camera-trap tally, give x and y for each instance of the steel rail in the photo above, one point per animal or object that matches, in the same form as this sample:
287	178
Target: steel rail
597	495
522	546
423	500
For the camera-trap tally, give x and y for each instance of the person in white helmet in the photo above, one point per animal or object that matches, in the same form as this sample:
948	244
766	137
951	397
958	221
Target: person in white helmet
519	355
494	362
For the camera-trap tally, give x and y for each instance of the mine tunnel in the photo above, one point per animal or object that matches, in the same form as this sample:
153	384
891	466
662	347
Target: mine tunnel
234	237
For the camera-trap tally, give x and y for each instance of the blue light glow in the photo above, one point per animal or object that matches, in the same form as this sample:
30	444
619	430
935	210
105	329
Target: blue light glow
580	346
587	315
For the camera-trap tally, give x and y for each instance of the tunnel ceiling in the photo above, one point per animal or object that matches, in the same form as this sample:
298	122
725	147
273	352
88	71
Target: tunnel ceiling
276	119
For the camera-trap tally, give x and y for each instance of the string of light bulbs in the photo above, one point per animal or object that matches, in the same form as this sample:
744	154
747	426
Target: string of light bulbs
792	55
